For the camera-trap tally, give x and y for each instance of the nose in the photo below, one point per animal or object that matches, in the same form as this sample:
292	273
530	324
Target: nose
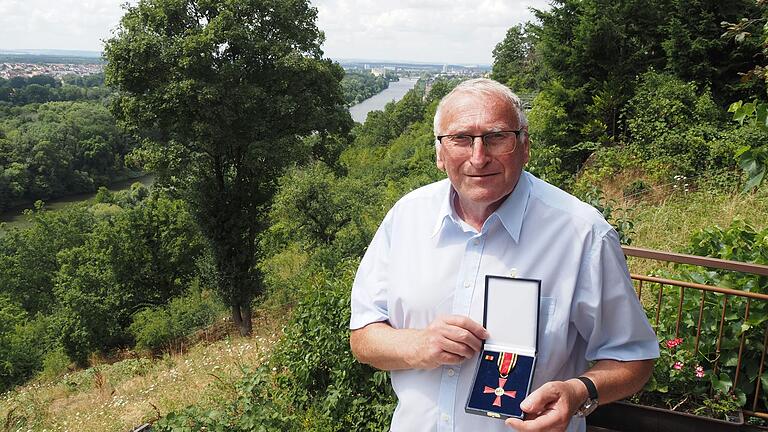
479	155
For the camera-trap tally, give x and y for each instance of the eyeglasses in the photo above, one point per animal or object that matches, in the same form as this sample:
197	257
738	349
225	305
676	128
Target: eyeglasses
496	143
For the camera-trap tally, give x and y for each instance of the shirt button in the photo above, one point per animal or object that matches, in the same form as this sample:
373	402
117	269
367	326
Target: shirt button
466	284
445	417
451	372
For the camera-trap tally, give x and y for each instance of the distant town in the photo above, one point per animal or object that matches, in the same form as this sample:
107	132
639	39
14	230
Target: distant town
61	63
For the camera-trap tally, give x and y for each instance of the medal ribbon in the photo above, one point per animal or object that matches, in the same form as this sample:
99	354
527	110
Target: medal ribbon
506	363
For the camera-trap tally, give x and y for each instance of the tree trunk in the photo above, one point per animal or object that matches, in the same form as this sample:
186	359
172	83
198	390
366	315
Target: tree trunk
241	317
236	317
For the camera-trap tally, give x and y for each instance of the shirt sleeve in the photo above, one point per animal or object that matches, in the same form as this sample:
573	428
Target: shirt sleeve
369	290
606	310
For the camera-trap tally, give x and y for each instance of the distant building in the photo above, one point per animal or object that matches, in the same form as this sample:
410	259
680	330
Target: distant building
58	70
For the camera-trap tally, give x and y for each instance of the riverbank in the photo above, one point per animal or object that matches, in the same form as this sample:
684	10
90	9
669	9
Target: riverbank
393	93
15	217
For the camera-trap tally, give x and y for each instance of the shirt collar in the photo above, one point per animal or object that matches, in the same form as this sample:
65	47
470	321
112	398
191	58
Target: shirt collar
510	213
513	208
445	211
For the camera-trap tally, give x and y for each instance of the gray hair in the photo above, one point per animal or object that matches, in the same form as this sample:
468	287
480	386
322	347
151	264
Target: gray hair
485	87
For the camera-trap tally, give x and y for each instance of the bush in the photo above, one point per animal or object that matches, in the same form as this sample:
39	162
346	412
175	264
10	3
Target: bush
21	345
673	122
55	363
166	327
312	382
739	242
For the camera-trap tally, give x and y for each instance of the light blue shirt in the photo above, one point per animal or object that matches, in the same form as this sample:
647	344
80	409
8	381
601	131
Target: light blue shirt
424	261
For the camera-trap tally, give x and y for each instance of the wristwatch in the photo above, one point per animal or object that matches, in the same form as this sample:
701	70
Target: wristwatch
591	403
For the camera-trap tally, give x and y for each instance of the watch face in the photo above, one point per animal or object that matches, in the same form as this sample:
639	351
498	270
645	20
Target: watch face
589	406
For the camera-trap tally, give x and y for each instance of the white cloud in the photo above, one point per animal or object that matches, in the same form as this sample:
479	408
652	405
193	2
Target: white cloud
57	24
457	31
453	31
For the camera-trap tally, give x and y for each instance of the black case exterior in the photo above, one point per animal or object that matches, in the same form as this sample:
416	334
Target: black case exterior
516	386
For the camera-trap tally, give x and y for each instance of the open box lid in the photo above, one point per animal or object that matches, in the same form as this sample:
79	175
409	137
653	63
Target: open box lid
512	313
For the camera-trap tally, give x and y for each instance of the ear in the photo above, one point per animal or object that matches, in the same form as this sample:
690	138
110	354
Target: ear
439	158
526	147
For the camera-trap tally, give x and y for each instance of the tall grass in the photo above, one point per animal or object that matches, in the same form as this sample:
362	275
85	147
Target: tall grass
118	397
668	224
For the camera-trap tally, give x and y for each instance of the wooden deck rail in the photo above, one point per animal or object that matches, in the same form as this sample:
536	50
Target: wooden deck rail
726	294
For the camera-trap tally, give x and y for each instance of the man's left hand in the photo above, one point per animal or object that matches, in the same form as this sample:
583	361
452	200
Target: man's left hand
550	407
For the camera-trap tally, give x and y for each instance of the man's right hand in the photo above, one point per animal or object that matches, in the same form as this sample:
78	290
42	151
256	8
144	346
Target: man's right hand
449	339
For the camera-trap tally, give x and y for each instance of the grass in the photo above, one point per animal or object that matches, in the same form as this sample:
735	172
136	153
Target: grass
120	396
668	223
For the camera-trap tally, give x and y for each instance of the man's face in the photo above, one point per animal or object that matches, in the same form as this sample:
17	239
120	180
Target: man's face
481	179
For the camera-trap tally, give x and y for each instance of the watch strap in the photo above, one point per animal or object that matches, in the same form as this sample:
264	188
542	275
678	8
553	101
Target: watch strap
591	389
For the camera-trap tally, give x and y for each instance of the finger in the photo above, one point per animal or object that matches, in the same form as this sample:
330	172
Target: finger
468	324
463	336
450	358
548	420
460	349
539	400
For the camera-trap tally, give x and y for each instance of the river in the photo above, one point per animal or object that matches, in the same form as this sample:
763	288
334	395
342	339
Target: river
17	219
395	91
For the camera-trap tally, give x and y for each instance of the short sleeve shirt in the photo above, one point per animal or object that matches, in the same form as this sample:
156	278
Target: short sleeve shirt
424	262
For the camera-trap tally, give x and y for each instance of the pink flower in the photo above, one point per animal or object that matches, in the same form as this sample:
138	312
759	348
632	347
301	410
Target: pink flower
678	365
699	372
674	342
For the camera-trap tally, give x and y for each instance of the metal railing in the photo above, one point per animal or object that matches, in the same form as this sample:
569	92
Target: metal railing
723	295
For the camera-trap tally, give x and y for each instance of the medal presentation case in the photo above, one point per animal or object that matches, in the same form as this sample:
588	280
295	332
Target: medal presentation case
508	357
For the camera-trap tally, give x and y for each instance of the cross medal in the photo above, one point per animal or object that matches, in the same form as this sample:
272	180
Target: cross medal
506	363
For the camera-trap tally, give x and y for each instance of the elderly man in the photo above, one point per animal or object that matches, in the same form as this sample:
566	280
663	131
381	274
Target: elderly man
418	294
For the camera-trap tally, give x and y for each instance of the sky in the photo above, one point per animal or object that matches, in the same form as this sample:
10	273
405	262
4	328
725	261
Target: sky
430	31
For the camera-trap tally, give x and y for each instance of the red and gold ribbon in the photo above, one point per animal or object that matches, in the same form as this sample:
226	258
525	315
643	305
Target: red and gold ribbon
506	362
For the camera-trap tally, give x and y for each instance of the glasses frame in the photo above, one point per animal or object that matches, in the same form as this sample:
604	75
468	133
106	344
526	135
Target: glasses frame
482	139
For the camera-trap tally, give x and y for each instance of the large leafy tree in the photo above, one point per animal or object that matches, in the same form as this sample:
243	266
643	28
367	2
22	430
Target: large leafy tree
222	92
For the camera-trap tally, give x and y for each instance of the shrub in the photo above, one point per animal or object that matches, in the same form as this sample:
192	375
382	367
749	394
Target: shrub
166	327
19	349
55	363
672	121
738	242
312	382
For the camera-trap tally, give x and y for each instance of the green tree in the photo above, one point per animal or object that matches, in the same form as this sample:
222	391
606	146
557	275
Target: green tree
516	62
223	91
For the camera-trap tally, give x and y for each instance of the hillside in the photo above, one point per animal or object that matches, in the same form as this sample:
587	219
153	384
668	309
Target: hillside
118	396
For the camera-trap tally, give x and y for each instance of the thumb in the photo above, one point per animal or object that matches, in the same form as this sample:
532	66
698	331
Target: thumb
538	401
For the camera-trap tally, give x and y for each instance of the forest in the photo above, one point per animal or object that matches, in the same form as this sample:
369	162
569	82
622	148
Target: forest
635	105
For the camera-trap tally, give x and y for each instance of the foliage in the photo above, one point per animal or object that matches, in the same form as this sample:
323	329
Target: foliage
141	257
589	55
222	93
670	122
58	148
19	348
616	216
552	135
515	61
45	88
717	361
359	86
679	382
78	274
166	327
753	158
312	381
